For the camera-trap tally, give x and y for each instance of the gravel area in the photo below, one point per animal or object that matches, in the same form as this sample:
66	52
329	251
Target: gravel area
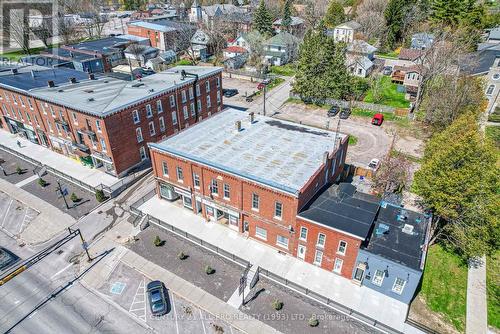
10	165
297	310
221	284
87	201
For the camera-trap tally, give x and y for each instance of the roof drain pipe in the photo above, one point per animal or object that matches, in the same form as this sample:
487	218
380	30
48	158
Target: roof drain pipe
184	74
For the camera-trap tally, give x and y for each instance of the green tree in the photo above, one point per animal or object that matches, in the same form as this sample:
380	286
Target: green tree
321	71
334	14
395	20
455	12
458	182
263	21
133	4
286	20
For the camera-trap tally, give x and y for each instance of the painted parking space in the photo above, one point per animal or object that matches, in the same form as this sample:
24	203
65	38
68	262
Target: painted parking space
14	215
127	287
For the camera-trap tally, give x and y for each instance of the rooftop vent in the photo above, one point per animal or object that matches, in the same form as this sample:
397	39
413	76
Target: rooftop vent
237	126
91	76
90	99
72	80
14	71
89	91
139	84
408	229
60	90
151	90
51	83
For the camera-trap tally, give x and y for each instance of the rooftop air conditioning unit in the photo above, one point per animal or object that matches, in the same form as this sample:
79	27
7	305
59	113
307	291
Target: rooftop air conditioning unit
408	229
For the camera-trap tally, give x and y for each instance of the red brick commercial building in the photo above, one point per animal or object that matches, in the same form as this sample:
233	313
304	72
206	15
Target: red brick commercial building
163	34
106	122
261	177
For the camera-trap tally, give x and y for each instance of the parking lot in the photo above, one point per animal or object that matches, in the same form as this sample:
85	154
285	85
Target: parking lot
14	215
126	287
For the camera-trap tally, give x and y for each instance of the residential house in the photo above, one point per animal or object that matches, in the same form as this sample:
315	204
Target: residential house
141	53
238	22
160	62
210	14
297	26
359	47
236	62
422	41
233	51
359	58
281	49
345	32
412	81
249	41
164	34
413	55
494	35
201	45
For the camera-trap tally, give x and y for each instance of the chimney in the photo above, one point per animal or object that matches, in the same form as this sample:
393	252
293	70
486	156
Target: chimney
72	80
325	157
51	83
251	117
237	126
91	76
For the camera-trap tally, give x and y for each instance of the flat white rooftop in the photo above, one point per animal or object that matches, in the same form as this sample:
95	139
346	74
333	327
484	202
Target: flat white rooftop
281	154
106	95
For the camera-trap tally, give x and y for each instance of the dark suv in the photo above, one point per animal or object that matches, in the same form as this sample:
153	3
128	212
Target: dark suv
157	299
333	111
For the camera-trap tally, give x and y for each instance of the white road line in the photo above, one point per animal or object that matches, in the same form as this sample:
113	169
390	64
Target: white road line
26	181
175	314
139	293
62	270
202	323
7	212
24	220
231	329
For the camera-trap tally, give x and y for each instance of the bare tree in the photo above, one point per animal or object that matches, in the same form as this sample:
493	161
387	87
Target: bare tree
17	28
394	174
43	30
66	29
314	11
136	50
370	14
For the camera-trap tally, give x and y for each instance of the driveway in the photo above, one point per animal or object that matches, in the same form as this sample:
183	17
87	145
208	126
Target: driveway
372	141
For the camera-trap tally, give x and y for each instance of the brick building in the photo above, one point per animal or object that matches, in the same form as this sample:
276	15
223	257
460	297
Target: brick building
163	34
102	121
253	176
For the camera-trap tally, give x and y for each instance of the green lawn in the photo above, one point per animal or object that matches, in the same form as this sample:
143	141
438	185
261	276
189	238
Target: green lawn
287	70
389	95
17	55
495	116
444	285
391	55
353	140
493	289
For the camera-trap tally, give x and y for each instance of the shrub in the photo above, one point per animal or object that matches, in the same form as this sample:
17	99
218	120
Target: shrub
99	195
313	322
277	304
182	256
42	182
19	170
73	197
157	241
209	270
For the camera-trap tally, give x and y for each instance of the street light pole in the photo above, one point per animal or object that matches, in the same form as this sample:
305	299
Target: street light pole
84	243
59	188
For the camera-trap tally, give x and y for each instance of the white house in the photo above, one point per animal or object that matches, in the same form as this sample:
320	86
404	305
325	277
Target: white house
281	48
359	66
345	32
248	40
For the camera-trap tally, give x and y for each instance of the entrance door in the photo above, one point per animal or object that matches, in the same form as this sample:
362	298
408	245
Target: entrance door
359	273
198	206
301	252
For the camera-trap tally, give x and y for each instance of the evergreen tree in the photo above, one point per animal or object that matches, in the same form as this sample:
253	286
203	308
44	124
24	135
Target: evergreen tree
236	3
133	4
459	183
321	71
455	12
286	20
263	21
334	14
395	15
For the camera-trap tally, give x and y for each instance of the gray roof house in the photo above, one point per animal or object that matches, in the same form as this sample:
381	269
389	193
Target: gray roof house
360	47
281	48
422	40
494	35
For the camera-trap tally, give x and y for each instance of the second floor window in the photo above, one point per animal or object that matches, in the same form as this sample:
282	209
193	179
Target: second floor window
255	201
172	101
278	208
135	116
159	106
196	180
207	86
149	111
303	233
321	240
98	126
183	95
227	191
165	168
180	175
342	247
214	187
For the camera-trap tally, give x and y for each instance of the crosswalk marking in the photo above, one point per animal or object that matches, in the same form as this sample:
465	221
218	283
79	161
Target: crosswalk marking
138	306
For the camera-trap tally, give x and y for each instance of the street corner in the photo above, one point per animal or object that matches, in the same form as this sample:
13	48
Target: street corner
15	216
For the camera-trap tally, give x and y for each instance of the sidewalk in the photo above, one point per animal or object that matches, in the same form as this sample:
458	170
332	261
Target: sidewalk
476	317
89	176
202	299
361	299
50	222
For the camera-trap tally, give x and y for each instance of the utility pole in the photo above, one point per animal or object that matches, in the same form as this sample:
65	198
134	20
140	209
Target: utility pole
84	243
62	192
265	89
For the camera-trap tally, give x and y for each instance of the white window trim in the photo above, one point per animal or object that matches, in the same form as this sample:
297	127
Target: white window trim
159	106
151	126
280	244
375	276
280	217
324	241
258	202
345	247
339	271
315	256
300	234
137	132
136	113
402	287
260	236
163	164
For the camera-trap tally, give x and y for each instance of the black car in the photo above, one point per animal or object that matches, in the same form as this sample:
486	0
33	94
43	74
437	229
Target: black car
157	299
345	113
387	70
229	92
333	111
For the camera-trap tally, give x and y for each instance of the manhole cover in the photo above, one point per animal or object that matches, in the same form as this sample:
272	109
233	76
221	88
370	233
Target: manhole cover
117	288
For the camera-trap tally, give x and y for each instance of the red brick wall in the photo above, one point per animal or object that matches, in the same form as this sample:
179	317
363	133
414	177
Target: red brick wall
330	248
143	32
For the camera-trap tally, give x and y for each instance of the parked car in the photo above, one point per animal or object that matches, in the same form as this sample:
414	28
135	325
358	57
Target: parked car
387	70
377	119
157	298
264	83
229	92
374	164
333	111
345	113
